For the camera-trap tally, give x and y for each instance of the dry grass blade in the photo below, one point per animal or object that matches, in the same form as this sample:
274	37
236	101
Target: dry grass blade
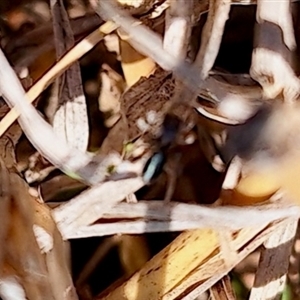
69	106
168	268
73	55
212	34
154	216
274	262
188	266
